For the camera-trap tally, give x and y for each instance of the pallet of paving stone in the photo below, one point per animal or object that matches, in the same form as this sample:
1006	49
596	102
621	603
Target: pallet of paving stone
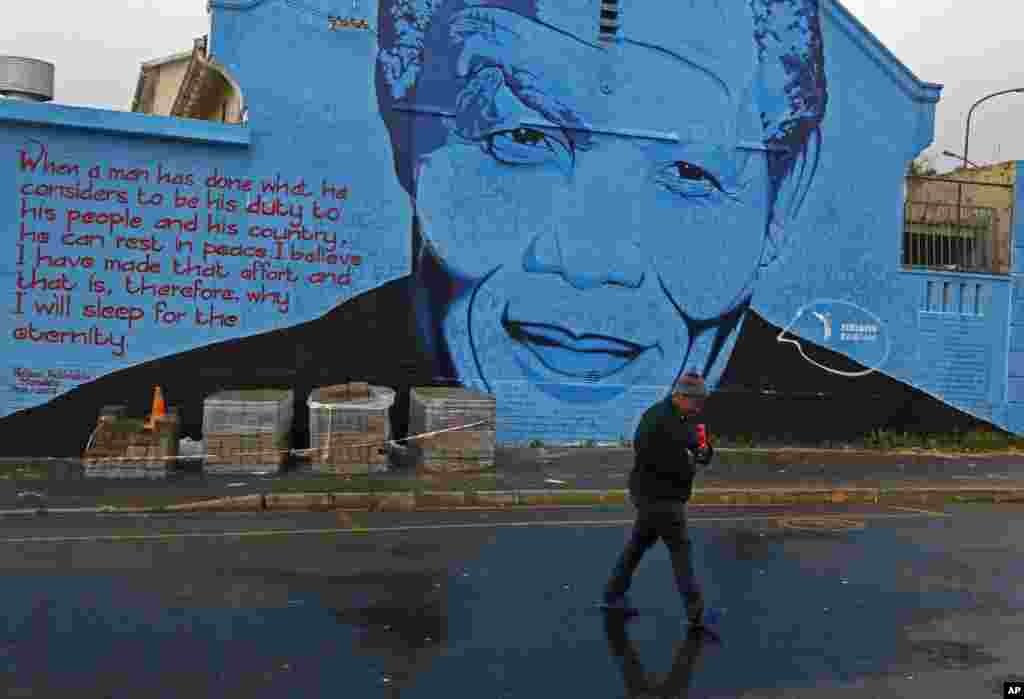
437	408
247	431
245	453
134	462
350	453
123	448
252	411
349	427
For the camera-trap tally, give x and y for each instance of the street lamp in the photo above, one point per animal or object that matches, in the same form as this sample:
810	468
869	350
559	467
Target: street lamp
960	186
967	132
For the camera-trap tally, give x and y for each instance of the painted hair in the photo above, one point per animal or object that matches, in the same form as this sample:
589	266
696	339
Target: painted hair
787	33
792	61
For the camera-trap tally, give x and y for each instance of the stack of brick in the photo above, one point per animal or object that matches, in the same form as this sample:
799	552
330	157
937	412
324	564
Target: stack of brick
349	427
434	408
247	431
226	451
122	447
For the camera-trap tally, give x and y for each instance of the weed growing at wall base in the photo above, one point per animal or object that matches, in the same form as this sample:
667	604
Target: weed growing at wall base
979	440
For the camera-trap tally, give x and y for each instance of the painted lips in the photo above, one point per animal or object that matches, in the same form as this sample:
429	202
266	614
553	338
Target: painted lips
589	357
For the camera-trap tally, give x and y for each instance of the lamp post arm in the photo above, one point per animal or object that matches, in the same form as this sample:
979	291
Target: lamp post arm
970	113
957	156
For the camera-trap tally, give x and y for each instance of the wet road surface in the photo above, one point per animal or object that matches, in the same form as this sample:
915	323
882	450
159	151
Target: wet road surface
847	601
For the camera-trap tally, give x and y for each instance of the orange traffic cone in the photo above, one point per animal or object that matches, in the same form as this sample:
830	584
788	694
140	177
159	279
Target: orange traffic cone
159	408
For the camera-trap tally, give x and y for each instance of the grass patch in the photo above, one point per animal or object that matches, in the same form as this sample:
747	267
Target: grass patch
126	425
23	472
978	440
974	441
435	392
971	499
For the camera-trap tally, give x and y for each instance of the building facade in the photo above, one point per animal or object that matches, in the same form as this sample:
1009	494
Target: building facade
190	85
565	205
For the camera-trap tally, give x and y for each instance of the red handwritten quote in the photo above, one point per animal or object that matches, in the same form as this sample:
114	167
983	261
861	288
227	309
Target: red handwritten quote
182	249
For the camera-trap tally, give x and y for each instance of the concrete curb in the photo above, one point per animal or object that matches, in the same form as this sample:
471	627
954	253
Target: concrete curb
410	501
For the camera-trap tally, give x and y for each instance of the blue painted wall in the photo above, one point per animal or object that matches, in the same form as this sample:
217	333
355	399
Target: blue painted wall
579	217
1015	341
211	232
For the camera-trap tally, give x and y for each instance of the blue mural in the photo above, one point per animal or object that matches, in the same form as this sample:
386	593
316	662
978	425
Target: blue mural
593	214
585	199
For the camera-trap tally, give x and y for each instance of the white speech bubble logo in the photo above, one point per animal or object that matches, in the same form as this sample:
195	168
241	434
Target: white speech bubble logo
843	327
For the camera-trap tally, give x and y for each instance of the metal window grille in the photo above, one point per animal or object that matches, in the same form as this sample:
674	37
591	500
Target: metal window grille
934	236
950	235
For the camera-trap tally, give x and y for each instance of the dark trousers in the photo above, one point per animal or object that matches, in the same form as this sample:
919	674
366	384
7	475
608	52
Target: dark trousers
657	519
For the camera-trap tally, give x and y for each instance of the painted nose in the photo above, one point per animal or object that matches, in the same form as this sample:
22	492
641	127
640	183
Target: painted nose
584	264
591	244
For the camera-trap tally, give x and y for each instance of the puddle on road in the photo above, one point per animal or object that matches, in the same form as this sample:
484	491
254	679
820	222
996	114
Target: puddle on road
848	581
403	627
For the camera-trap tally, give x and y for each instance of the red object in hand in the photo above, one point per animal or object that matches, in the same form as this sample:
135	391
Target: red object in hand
702	436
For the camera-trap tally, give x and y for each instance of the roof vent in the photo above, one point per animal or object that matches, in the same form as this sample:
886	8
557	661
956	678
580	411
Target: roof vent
26	79
609	25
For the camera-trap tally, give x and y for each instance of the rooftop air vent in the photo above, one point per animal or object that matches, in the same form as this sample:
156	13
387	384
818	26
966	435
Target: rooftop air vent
26	79
609	25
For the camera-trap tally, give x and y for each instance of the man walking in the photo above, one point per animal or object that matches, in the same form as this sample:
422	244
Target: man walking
668	450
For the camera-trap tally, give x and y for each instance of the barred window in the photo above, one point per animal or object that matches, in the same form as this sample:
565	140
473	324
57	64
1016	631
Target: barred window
943	229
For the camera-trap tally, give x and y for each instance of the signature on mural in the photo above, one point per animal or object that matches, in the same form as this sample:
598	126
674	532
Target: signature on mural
336	23
45	381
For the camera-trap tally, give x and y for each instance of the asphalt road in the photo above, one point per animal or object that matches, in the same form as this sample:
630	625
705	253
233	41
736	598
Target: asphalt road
847	601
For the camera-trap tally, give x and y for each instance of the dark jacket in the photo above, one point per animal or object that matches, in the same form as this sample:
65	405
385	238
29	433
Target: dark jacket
666	451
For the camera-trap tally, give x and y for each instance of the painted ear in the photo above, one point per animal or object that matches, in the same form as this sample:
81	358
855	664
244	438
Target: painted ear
794	176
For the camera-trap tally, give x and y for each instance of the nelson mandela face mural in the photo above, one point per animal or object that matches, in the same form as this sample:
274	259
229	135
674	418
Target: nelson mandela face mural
593	211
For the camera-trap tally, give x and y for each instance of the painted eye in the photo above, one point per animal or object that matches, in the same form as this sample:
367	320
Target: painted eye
689	179
689	171
525	146
527	137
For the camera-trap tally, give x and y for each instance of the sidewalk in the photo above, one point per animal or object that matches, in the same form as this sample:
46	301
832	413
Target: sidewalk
547	476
